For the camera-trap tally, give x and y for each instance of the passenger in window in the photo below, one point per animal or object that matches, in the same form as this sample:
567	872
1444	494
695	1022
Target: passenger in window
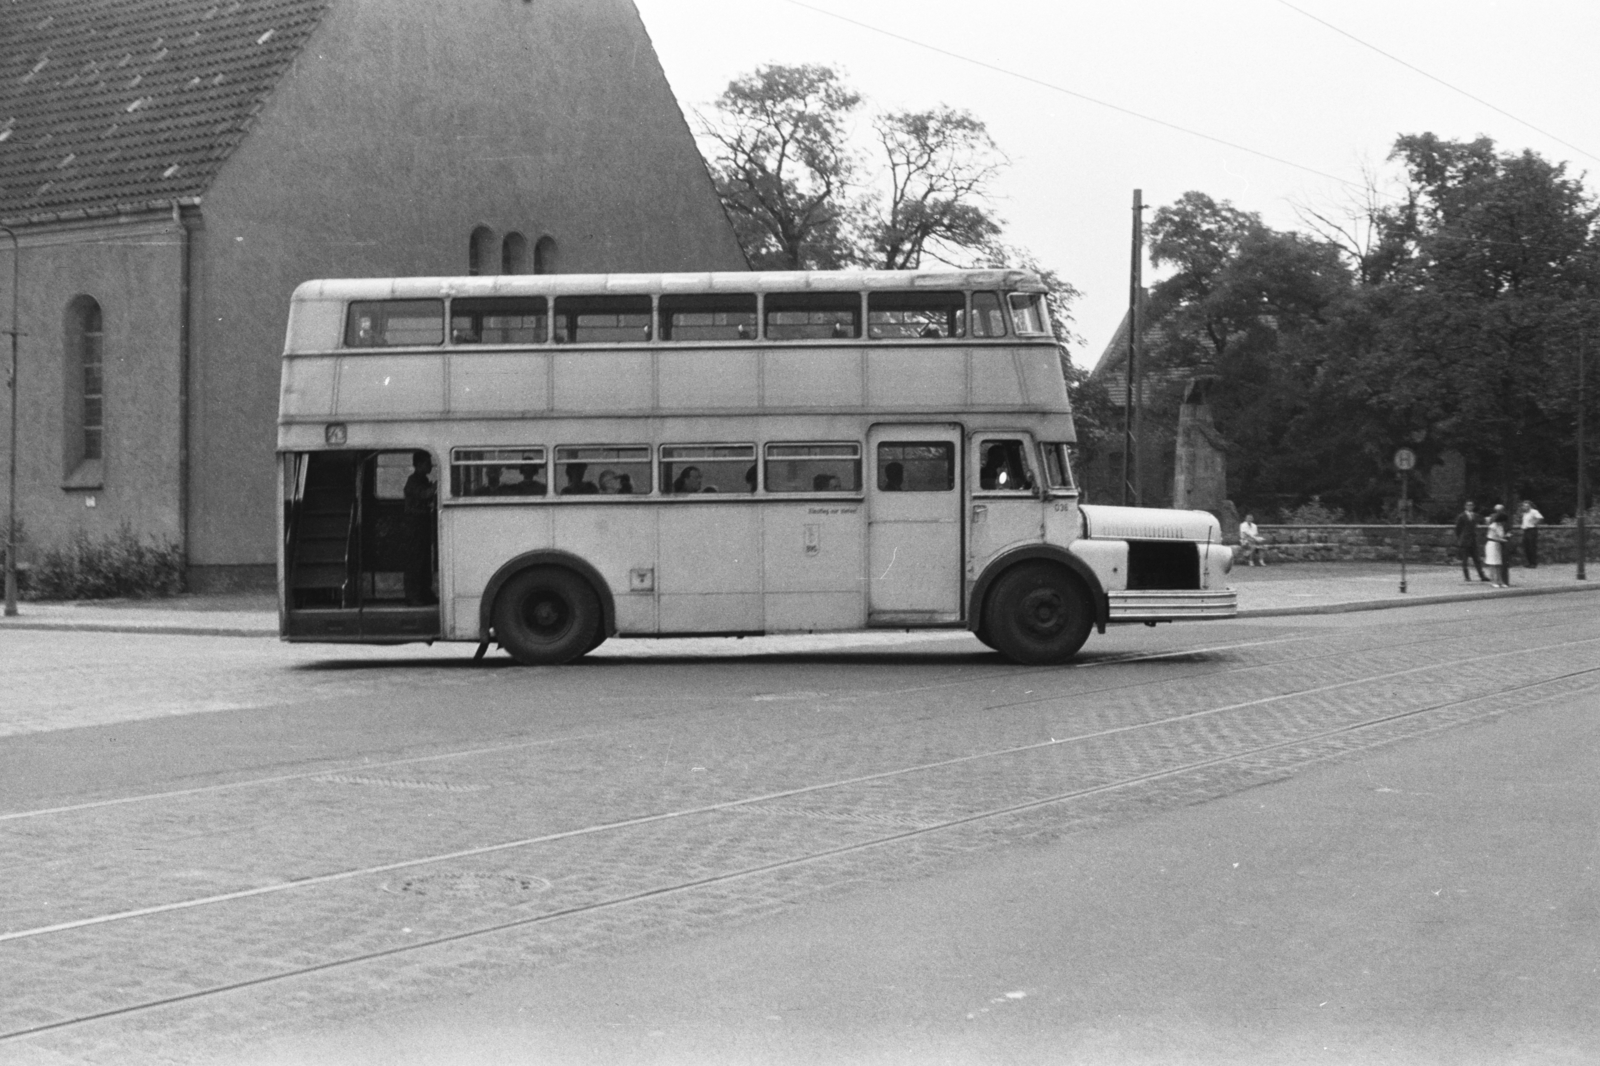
531	484
610	483
826	483
625	484
421	497
894	478
750	477
1002	469
688	481
576	485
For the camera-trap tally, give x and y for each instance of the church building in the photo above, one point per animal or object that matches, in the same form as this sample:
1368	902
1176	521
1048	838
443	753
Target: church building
170	170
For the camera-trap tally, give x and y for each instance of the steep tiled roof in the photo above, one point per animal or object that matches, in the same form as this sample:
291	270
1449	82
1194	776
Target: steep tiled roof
115	104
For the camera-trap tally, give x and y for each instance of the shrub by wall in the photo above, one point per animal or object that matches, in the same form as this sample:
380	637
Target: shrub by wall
121	565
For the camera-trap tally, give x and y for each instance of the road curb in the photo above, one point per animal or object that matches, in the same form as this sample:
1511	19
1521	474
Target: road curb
1420	601
158	629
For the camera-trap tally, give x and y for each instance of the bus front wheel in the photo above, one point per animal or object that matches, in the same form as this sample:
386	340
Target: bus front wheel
546	615
1038	614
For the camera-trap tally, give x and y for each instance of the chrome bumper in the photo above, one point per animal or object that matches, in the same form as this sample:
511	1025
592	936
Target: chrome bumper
1172	605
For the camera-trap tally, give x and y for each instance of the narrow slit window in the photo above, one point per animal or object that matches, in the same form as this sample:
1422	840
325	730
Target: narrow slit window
92	349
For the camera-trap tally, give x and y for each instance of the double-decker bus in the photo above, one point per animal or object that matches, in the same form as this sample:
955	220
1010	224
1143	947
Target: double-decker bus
544	462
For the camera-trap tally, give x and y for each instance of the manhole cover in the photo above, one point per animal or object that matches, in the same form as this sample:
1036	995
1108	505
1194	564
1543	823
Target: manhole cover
468	886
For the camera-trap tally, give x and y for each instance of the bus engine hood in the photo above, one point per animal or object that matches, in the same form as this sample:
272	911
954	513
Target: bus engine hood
1149	523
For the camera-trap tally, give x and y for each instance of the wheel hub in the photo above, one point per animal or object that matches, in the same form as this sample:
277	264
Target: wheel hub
1044	612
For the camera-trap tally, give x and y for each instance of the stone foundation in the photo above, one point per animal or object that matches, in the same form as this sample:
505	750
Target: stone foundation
1425	544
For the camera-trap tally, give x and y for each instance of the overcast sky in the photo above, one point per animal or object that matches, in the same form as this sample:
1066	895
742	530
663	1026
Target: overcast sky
1257	73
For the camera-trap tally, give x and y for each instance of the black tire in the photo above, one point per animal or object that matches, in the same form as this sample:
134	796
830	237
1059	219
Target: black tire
546	615
1038	614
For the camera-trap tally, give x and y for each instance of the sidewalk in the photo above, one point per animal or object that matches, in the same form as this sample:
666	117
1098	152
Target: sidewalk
1279	589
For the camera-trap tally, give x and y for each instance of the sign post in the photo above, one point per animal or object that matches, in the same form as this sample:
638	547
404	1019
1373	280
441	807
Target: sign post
1404	460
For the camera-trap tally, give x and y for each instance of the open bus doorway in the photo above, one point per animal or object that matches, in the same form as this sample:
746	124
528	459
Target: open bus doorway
361	532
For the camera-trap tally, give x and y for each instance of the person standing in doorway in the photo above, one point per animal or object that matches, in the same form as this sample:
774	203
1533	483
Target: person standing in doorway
421	500
1467	542
1530	534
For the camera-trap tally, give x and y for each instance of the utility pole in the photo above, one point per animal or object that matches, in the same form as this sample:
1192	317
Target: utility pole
1133	392
11	478
1583	487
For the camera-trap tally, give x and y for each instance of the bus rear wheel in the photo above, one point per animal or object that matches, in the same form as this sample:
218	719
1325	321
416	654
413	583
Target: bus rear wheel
1038	614
546	615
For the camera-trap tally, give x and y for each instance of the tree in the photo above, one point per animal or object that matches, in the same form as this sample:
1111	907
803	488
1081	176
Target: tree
801	196
782	167
939	165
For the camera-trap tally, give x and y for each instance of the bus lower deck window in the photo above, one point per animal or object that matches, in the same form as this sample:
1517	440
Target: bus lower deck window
1028	314
916	315
987	318
603	469
813	467
498	472
1003	466
687	469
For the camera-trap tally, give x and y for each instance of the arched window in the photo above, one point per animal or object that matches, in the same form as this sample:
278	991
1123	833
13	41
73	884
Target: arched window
544	255
478	250
513	254
84	348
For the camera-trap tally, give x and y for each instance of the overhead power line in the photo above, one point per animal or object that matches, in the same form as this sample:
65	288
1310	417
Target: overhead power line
1077	95
1434	77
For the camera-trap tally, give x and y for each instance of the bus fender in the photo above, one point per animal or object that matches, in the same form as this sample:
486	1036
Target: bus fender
1053	553
547	557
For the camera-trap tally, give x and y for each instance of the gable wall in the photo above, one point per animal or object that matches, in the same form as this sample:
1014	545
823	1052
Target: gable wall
400	127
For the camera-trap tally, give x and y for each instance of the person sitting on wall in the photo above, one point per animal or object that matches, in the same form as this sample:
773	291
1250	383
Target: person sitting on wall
576	485
1251	542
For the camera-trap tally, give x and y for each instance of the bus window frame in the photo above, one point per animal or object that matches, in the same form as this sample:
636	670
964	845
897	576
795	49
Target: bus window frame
754	458
859	458
648	462
1025	445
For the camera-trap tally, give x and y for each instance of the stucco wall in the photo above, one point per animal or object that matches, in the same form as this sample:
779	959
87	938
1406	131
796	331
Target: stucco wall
132	269
401	127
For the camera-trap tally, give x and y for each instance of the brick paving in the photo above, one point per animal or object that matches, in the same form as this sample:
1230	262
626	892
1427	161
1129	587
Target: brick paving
956	742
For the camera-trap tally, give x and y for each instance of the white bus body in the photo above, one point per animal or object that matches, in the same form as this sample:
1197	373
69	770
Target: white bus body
731	453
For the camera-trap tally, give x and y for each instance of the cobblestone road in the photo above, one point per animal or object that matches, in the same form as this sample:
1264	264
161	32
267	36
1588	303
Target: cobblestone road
350	832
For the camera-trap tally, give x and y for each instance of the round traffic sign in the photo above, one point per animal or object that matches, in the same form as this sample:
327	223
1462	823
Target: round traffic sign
1405	459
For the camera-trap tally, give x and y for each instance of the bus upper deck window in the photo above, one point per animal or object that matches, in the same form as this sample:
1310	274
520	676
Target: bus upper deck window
813	316
602	319
499	320
987	318
394	323
916	315
1028	314
713	317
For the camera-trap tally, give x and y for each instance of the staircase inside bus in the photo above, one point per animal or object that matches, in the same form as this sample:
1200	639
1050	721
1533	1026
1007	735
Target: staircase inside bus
348	546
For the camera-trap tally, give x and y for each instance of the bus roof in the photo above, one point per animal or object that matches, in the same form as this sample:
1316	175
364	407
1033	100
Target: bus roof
710	281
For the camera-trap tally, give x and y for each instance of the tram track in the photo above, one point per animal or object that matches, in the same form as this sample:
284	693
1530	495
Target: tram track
1526	691
368	766
302	883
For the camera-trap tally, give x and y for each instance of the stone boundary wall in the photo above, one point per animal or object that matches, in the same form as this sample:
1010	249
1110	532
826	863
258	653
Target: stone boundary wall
1425	544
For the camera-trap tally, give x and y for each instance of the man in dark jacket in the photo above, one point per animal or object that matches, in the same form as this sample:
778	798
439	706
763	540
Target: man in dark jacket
1467	542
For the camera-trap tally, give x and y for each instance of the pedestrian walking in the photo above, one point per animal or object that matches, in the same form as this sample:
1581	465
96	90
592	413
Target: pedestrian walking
1467	542
1497	546
1250	541
1530	534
